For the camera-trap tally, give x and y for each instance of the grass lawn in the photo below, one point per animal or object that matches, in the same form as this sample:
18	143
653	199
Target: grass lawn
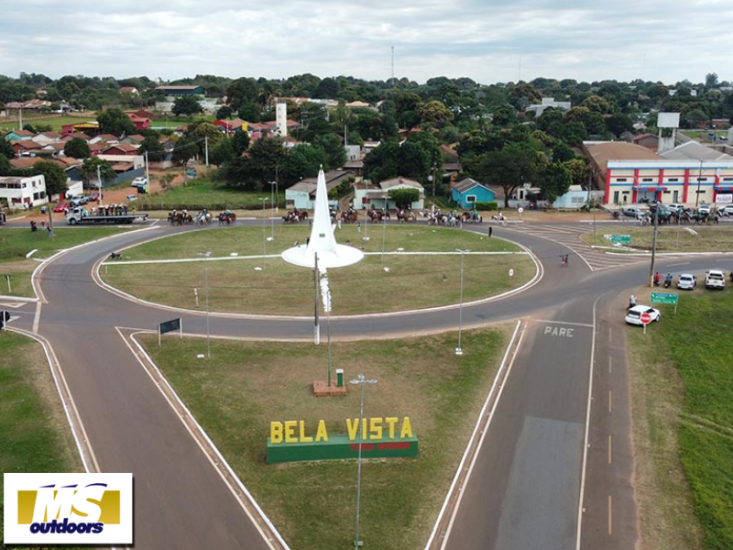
683	405
669	239
412	281
202	193
55	122
34	433
313	503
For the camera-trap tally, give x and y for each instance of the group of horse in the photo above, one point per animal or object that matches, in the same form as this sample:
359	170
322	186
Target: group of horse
453	219
296	216
182	217
683	216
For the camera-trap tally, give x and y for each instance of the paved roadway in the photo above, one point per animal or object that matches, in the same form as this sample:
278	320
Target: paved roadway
524	491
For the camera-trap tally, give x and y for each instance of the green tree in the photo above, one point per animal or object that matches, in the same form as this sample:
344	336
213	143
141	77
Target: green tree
115	122
509	167
303	161
184	150
434	112
54	175
504	116
404	197
6	149
187	105
328	88
89	170
225	111
203	131
152	146
240	142
597	104
77	148
562	153
241	91
574	133
556	181
4	165
618	123
264	158
427	142
550	122
578	168
250	111
333	149
222	153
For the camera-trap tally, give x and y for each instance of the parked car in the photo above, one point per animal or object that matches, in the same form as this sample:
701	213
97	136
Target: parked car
139	182
633	315
634	211
704	209
676	206
686	281
715	278
78	200
131	198
726	210
94	197
61	207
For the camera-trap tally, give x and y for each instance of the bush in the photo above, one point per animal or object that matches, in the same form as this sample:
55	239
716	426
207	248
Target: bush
493	205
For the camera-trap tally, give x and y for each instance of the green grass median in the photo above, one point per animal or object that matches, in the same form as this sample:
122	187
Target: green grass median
246	385
683	393
34	433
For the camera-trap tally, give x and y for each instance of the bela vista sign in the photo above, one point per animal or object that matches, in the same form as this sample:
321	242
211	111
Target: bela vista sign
292	441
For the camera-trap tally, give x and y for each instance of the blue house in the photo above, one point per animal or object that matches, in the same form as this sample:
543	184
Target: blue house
468	191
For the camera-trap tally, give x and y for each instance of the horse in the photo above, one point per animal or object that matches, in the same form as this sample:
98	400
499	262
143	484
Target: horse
227	218
291	217
471	217
115	256
405	216
349	217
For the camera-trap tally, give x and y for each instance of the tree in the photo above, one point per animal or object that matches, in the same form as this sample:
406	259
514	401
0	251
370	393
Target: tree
240	142
6	149
404	197
618	123
562	153
77	148
204	131
115	122
574	133
434	112
225	111
187	105
250	111
504	116
578	168
152	146
241	91
222	153
304	161
261	164
328	88
711	80
184	150
89	170
597	104
556	181
54	175
509	167
427	142
550	121
333	149
4	165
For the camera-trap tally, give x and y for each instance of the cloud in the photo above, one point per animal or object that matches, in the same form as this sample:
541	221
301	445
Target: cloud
486	40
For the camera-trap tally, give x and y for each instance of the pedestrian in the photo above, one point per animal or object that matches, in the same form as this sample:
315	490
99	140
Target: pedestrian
49	231
632	301
358	228
491	231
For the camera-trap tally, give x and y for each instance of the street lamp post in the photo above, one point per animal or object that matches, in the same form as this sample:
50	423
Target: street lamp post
362	381
264	231
459	350
272	204
384	237
206	256
699	179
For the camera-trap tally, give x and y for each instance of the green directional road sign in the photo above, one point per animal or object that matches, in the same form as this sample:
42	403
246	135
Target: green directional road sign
621	239
664	298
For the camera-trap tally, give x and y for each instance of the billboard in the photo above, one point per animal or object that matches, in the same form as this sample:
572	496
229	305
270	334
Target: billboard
668	120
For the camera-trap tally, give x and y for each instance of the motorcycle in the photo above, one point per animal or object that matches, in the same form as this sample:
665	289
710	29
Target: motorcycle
668	281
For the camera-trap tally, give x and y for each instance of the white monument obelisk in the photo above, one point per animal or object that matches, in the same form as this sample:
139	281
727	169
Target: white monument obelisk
322	240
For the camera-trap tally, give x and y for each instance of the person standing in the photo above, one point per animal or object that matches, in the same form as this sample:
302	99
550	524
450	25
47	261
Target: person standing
491	231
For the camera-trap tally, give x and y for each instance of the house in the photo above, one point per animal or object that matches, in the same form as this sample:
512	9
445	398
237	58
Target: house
574	198
302	195
368	195
142	113
125	149
80	135
26	147
129	90
547	103
133	139
650	141
468	191
139	122
99	147
181	90
18	192
105	138
47	137
19	135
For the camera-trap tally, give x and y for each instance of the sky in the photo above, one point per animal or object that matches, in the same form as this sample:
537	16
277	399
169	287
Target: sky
486	40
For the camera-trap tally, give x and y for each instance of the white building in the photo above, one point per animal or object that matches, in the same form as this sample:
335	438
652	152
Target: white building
548	102
19	192
302	195
368	195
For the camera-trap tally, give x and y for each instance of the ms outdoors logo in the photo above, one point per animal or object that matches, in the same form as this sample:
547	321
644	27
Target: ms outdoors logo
43	509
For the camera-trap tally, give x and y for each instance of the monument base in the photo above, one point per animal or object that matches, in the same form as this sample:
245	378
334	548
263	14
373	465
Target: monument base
322	389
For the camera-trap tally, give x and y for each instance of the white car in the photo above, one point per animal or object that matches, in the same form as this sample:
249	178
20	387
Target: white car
139	182
704	209
676	206
686	281
633	315
726	210
715	279
633	211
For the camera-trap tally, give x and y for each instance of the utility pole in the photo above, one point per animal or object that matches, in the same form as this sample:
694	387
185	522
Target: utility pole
654	245
699	179
315	300
206	143
435	168
147	170
99	183
20	119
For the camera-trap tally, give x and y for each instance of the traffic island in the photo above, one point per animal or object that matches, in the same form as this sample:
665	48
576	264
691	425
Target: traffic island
321	388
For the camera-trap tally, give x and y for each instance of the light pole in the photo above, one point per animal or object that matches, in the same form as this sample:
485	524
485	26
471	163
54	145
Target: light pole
264	231
362	381
206	287
384	237
272	204
459	350
699	179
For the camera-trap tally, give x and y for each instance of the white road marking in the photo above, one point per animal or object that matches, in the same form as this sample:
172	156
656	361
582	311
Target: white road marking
37	317
683	263
481	440
565	323
587	427
213	447
14	305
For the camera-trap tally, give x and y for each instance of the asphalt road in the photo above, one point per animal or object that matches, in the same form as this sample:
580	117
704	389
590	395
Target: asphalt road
525	489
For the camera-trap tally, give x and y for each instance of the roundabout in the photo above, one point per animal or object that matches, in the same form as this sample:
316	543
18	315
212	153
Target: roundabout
536	437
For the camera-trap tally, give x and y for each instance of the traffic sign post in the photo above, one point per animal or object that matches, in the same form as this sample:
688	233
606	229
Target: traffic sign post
645	320
665	298
621	239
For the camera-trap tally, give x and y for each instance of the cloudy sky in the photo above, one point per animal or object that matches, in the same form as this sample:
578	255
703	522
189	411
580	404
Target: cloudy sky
487	40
